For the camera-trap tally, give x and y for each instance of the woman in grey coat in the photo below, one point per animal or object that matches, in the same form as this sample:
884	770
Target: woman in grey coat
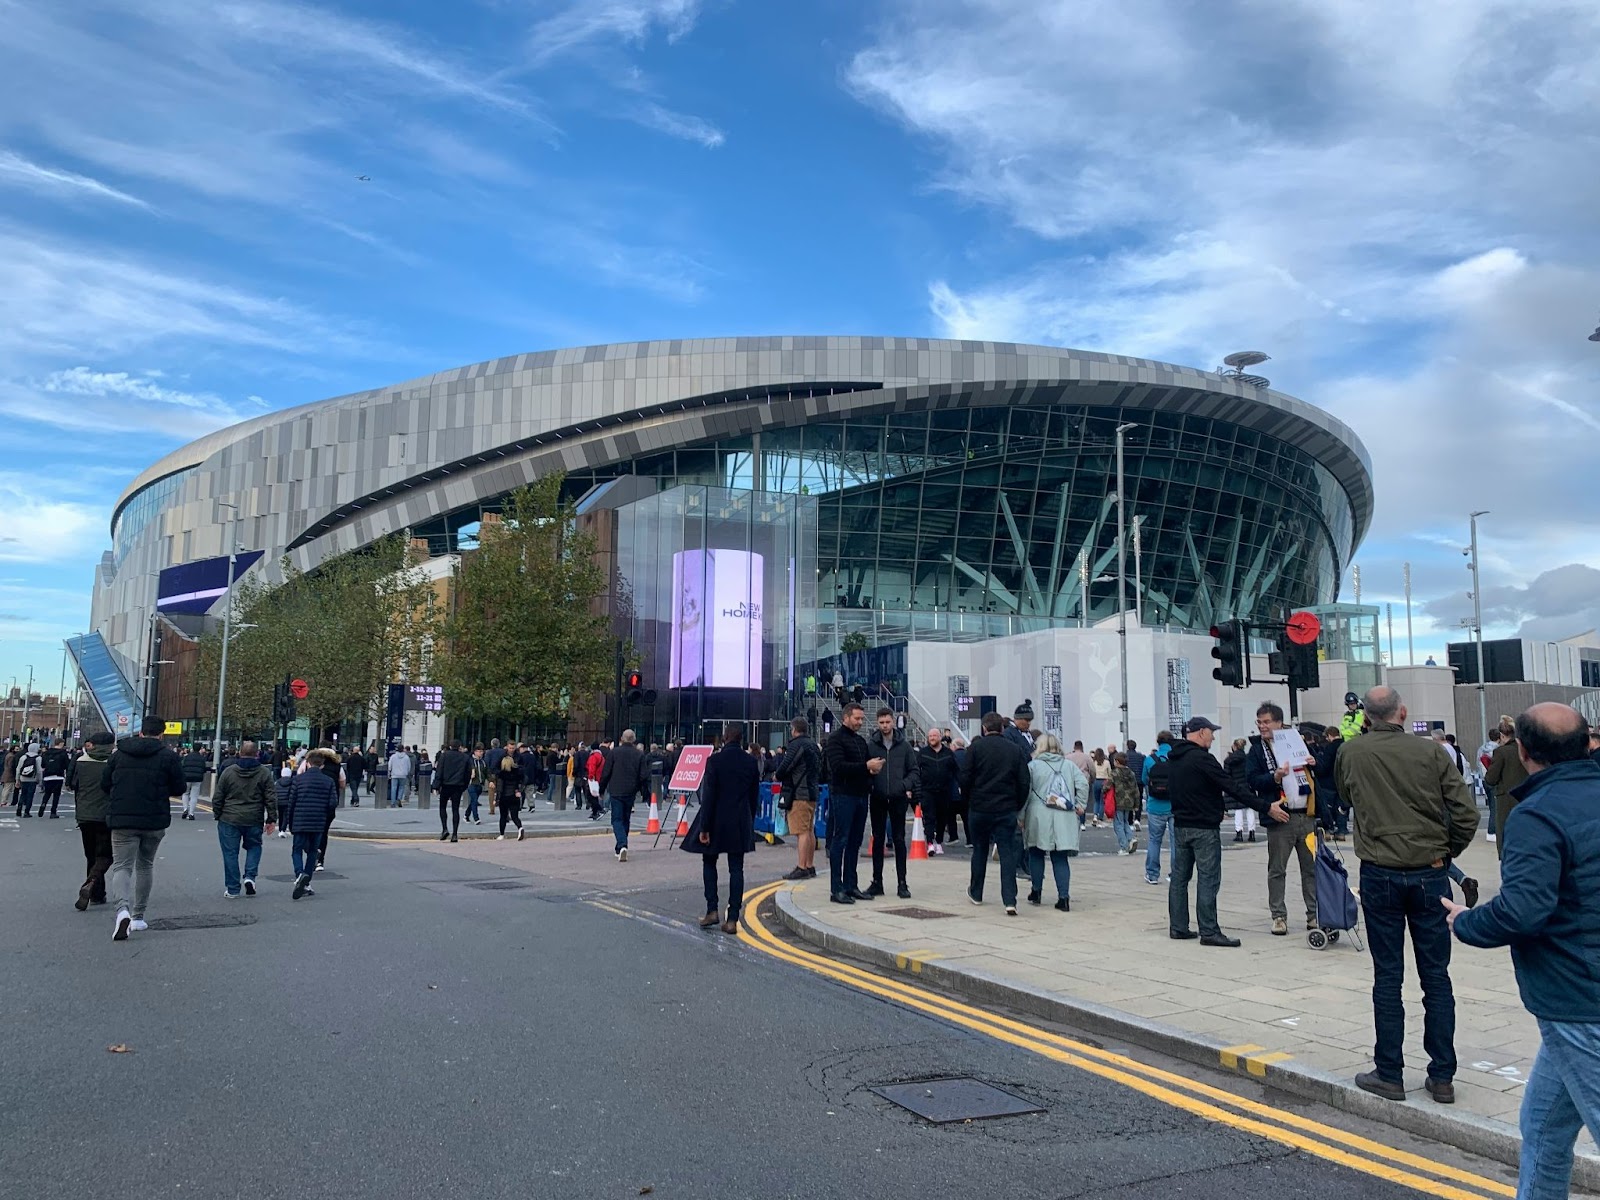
1058	794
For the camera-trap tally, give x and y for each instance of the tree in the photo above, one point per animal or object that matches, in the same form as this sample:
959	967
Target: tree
353	624
853	643
525	639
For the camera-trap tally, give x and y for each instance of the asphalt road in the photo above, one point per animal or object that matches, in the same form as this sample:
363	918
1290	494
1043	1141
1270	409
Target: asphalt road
405	1033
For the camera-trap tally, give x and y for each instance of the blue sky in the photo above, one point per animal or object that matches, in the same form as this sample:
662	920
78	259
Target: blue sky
1396	200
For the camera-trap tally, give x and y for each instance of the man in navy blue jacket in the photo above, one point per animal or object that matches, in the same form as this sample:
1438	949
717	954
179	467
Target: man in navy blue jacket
1548	912
313	796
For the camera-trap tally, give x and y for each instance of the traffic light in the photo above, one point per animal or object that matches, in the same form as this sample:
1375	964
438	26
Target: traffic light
635	688
283	706
1232	653
1303	671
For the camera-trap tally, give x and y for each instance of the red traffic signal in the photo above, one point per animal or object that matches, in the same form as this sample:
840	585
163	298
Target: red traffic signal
633	692
634	679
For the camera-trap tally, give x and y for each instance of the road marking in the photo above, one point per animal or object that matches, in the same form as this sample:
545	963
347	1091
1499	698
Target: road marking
1230	1055
1200	1099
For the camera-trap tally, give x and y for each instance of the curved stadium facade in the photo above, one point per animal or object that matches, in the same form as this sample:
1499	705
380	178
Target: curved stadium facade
963	490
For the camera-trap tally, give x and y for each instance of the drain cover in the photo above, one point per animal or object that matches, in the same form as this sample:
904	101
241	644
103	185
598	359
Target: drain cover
915	913
499	885
205	921
943	1101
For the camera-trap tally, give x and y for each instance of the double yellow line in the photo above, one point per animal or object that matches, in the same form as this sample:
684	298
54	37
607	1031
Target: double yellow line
1203	1100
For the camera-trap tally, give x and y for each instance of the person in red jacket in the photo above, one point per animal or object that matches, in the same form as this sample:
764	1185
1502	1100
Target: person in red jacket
594	766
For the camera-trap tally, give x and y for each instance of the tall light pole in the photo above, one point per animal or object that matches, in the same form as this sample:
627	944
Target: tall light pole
1138	575
1122	580
27	697
1411	649
1477	629
227	629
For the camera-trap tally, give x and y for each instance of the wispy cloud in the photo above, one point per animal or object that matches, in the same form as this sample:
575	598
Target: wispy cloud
21	170
680	125
589	21
38	527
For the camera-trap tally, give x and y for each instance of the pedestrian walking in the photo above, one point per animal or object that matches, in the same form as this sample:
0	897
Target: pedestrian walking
141	779
1291	783
1548	912
452	772
1196	786
1125	789
1156	779
936	790
623	779
313	798
730	793
8	775
594	767
245	804
1504	776
281	785
996	782
53	764
30	768
86	777
850	784
355	770
1413	814
798	774
1099	784
477	781
1245	820
508	793
1057	794
894	783
399	777
196	766
532	766
334	770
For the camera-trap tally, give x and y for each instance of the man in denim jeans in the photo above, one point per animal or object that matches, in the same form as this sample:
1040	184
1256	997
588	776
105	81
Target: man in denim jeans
1158	810
1548	912
1414	813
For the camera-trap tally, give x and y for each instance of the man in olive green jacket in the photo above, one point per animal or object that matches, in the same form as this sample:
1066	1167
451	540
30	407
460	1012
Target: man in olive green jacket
1413	814
89	806
1505	774
245	798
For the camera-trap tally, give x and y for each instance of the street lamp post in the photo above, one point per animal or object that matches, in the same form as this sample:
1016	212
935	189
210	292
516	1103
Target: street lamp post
227	629
1122	580
27	698
1477	630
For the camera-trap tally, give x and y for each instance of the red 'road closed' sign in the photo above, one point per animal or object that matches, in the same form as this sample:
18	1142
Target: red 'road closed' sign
299	689
691	769
1303	628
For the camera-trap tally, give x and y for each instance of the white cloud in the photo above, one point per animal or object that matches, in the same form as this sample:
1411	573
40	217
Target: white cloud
39	527
32	174
589	21
1384	196
680	125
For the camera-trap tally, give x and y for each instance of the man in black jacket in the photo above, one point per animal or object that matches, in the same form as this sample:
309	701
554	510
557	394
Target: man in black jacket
799	773
850	784
86	778
994	779
452	771
936	789
355	769
893	787
196	765
1196	784
140	781
623	779
53	766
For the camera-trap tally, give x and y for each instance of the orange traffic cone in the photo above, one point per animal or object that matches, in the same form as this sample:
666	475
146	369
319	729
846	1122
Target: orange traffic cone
919	836
683	819
654	824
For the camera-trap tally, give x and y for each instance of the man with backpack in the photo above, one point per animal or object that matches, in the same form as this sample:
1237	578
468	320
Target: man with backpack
29	769
1157	779
53	764
799	773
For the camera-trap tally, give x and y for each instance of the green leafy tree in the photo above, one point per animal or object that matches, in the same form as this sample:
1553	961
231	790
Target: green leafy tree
526	639
357	622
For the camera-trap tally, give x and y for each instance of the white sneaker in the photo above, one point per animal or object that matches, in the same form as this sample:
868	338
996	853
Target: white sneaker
1133	844
501	838
282	833
521	833
230	895
138	925
119	932
319	866
622	855
1489	836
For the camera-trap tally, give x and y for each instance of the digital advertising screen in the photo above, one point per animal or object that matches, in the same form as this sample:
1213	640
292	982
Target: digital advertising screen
716	619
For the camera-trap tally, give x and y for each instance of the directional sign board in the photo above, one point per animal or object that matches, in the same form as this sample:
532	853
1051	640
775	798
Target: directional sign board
691	769
173	729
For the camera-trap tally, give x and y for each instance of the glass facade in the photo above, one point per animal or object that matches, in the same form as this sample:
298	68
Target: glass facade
970	523
716	588
145	507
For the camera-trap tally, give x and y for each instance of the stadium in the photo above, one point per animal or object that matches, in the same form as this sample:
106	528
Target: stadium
946	491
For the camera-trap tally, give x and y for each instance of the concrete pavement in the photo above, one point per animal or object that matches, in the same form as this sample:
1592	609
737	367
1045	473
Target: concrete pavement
1275	1007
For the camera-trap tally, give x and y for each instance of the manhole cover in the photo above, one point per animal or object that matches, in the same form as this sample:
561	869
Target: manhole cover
499	885
943	1101
317	878
208	921
915	913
